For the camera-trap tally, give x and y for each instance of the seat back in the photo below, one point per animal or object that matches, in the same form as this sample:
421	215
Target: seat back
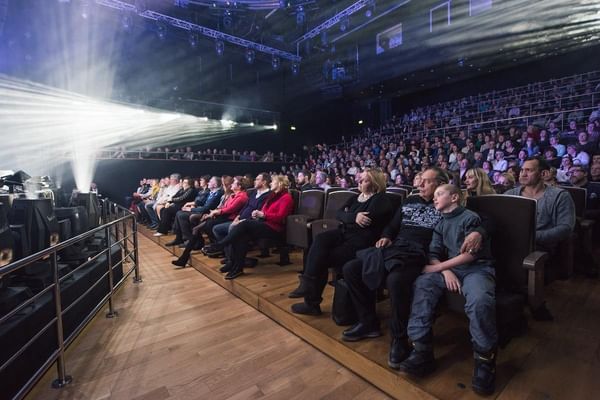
579	196
312	203
400	190
396	199
296	197
513	238
335	200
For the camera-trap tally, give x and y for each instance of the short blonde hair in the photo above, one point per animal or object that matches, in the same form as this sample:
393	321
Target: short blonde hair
378	180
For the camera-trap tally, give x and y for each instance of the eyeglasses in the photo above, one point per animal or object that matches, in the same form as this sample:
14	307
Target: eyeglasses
575	171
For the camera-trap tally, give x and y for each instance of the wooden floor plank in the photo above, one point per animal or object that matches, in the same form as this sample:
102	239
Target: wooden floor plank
180	336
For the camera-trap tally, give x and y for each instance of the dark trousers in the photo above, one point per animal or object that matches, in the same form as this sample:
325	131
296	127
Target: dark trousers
329	250
183	226
208	225
239	237
167	216
399	282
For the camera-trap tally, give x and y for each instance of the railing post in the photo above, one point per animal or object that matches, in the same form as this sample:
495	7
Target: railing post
111	312
125	239
136	272
63	379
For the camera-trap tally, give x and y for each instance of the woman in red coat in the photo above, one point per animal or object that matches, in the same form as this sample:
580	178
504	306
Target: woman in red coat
266	223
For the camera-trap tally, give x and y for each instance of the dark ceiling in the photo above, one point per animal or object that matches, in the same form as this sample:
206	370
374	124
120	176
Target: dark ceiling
386	48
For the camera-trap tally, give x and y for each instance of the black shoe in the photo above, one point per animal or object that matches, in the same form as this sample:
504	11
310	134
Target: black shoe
212	250
178	263
399	351
223	260
484	373
302	289
226	267
174	243
234	274
420	362
360	331
183	245
306	309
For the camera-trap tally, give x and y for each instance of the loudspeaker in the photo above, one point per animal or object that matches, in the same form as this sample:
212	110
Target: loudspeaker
41	226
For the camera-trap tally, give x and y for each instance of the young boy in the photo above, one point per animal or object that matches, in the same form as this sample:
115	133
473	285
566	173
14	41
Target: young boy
472	275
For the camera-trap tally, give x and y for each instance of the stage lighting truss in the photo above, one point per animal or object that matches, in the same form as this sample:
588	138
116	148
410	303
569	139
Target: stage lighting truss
337	18
140	8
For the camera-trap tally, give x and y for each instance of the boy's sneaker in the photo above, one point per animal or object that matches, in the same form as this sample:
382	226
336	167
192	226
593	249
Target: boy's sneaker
420	361
484	373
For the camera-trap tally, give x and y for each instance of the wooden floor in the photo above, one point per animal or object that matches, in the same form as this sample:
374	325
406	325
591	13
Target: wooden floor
180	336
555	360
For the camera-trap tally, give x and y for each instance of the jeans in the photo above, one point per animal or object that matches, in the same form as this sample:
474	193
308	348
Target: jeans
478	285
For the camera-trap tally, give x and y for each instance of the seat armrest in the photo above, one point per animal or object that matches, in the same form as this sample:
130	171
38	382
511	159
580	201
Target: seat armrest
535	261
322	225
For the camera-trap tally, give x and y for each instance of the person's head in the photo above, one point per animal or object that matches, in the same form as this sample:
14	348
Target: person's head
446	198
596	159
572	150
417	179
499	155
302	178
226	182
214	183
372	181
550	153
553	140
464	163
174	179
478	182
531	172
583	137
238	184
262	181
507	180
566	161
430	180
572	125
522	155
577	175
320	178
549	176
595	172
186	183
279	183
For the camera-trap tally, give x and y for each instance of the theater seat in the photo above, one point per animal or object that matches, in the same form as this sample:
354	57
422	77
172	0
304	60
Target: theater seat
519	267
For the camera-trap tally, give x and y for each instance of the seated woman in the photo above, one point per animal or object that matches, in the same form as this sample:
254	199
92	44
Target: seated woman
266	223
478	183
223	213
167	214
363	218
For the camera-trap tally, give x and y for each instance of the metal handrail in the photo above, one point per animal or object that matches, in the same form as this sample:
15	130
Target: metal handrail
114	217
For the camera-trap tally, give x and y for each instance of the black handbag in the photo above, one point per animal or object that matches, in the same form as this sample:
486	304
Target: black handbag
342	310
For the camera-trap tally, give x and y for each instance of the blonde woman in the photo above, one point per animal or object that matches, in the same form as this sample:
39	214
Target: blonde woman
478	183
363	218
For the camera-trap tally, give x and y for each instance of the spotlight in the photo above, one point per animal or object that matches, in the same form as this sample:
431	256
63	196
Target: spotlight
250	55
300	16
275	62
295	68
344	24
126	21
219	47
227	19
292	128
360	121
85	9
193	40
161	30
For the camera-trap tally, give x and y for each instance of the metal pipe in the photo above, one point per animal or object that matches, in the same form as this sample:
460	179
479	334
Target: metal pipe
136	276
62	379
111	312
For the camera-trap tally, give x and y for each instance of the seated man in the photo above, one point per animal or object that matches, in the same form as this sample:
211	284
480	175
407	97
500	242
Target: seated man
555	217
203	203
470	274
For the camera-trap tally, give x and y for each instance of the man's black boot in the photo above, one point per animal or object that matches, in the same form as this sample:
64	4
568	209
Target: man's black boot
420	361
484	373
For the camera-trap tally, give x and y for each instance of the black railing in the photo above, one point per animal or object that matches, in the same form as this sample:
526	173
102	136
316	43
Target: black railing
116	220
